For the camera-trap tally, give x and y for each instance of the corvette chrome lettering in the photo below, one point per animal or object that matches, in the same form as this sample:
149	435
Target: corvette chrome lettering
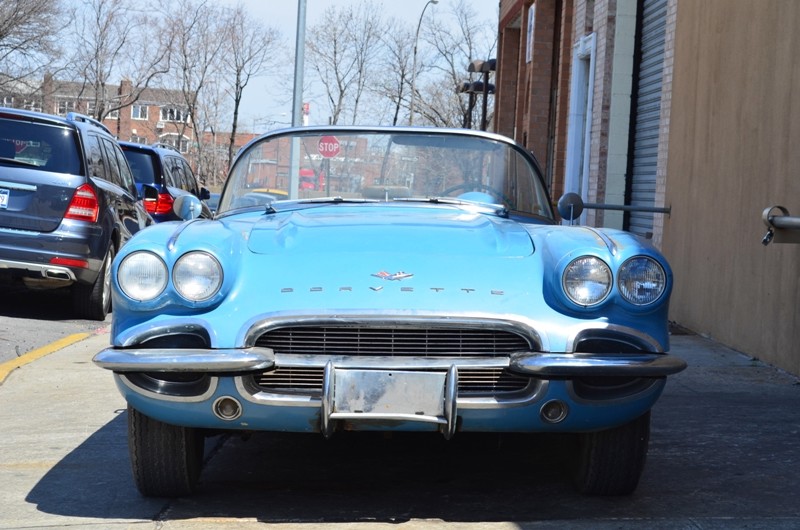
400	275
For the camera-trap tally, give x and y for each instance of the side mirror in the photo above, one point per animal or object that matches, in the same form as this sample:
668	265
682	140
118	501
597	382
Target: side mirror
570	206
187	207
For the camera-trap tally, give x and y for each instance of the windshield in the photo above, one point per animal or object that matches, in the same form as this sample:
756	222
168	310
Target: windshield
385	165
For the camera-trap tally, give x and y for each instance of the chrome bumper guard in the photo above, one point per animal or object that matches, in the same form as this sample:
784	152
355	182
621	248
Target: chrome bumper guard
185	360
547	365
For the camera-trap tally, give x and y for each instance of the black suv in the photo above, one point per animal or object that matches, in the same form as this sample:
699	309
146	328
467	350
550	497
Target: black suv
67	203
163	169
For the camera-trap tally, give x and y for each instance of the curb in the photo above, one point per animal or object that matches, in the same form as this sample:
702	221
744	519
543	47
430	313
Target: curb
7	367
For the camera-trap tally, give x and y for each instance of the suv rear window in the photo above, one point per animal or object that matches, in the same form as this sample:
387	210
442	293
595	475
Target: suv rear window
141	165
48	147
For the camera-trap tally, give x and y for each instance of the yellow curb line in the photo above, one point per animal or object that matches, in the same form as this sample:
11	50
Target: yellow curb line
8	366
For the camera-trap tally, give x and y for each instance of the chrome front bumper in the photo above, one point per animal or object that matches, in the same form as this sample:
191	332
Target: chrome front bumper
534	364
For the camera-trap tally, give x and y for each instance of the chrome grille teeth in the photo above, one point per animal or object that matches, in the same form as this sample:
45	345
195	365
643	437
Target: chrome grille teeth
308	381
388	341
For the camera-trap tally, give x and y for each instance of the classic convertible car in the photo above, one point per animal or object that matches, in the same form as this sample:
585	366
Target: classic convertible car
428	286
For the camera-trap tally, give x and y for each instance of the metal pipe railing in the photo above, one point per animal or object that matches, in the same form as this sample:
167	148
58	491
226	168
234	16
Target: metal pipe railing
627	208
782	228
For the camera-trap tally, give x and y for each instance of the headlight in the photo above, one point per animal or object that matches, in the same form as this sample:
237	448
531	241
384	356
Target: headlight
587	280
197	276
142	276
641	280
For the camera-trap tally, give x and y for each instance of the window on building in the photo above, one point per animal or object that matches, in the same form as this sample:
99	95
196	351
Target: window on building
173	114
91	109
139	112
64	107
173	140
32	104
8	101
138	139
114	114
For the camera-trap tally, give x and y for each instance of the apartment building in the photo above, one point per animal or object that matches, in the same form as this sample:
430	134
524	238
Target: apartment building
155	116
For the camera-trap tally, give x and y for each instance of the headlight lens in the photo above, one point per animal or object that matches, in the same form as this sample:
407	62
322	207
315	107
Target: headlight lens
197	276
587	280
142	276
641	280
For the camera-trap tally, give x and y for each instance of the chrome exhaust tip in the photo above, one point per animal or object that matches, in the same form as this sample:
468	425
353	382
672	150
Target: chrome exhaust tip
227	408
554	411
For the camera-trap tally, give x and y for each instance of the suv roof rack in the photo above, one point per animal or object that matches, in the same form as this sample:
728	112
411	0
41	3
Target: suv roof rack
165	146
74	116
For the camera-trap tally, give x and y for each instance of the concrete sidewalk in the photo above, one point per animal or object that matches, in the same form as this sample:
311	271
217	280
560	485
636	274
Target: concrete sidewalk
724	453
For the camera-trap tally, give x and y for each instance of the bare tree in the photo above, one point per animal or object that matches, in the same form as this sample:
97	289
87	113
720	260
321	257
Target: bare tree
210	153
197	51
253	48
115	40
395	70
459	39
342	48
28	37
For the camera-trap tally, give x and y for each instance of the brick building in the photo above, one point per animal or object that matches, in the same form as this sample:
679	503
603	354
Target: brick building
684	113
156	116
580	83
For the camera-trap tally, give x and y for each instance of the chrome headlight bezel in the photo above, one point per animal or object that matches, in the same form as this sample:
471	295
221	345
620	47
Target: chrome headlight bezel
641	281
142	276
197	276
587	281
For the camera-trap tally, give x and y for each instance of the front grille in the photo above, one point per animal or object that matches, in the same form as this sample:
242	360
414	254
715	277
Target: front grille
393	341
308	381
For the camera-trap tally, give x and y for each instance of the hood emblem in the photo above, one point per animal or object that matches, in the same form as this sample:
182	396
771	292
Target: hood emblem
400	275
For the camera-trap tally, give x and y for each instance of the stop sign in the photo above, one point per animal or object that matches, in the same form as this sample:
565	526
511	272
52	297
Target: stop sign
328	146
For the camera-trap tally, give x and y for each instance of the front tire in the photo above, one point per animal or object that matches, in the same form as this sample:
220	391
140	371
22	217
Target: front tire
611	462
166	459
94	301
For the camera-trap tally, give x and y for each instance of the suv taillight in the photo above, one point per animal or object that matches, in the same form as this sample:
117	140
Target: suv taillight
162	205
84	205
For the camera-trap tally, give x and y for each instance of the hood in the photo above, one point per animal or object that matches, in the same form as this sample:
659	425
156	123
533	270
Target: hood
334	229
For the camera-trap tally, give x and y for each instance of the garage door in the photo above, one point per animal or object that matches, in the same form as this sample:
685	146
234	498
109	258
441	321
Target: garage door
647	112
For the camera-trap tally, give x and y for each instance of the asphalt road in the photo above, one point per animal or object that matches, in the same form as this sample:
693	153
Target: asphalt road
34	319
725	453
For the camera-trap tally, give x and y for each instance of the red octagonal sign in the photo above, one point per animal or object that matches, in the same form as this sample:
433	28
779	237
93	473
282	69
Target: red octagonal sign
328	146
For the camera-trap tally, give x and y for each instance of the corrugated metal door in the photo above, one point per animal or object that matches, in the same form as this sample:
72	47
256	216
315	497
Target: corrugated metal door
647	112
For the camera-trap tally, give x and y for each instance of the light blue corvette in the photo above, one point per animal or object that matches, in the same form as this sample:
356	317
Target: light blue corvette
387	279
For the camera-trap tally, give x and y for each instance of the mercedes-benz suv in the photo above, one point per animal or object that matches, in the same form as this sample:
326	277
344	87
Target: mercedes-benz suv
68	202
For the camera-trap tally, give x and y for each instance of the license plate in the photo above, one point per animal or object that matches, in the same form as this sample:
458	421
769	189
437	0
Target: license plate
4	194
389	392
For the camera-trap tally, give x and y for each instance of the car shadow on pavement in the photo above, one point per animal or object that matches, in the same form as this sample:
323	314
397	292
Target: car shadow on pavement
353	477
724	450
51	305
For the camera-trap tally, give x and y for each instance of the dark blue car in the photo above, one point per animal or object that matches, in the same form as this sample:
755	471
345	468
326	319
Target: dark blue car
167	173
